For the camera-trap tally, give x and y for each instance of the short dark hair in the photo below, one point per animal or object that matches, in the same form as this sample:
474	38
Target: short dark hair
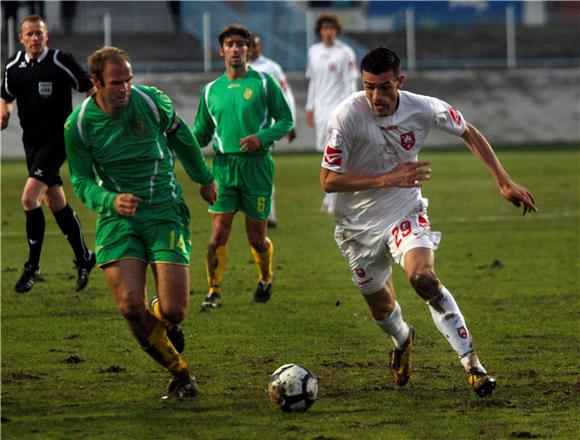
99	59
32	19
235	29
381	60
327	18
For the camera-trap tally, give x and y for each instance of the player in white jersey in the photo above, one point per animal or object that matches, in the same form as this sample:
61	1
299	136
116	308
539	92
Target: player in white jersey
261	63
333	74
370	160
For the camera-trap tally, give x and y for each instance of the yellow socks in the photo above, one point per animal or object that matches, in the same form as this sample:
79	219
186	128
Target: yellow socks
264	262
162	350
215	264
156	311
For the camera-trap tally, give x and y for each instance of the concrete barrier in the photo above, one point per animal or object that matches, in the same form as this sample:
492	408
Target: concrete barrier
510	107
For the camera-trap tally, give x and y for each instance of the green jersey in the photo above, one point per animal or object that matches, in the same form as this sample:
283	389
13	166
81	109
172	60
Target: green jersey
132	151
230	110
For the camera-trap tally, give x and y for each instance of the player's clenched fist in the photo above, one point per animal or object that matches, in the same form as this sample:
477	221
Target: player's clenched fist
126	204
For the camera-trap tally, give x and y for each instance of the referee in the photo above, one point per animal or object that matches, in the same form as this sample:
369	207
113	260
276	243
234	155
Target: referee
40	79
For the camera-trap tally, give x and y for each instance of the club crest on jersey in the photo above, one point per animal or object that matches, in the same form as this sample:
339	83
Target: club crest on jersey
45	89
139	127
408	140
462	332
248	94
332	67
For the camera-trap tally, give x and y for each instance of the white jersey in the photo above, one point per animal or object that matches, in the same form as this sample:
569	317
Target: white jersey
333	72
358	141
263	64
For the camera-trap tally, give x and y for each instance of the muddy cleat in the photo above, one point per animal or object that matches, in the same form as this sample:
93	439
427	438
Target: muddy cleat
263	292
400	361
482	383
180	387
27	279
83	272
212	301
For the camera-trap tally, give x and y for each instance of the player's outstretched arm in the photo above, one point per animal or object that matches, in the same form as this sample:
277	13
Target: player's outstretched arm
510	190
404	175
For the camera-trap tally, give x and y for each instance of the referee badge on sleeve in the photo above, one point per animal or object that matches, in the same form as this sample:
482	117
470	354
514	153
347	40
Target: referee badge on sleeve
45	89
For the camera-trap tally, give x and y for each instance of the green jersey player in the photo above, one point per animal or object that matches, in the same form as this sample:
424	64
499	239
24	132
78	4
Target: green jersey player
245	112
121	147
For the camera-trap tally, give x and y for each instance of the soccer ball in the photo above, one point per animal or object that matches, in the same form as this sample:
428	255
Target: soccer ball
293	388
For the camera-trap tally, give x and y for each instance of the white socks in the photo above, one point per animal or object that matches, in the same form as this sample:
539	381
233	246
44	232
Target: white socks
394	326
450	322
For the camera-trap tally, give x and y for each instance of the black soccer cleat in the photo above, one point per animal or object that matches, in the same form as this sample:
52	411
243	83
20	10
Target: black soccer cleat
263	292
180	387
212	301
27	279
83	271
482	383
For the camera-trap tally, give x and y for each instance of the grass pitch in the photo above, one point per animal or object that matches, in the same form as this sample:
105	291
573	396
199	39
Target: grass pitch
70	368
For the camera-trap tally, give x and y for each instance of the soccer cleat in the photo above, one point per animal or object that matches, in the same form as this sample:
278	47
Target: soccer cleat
482	383
83	272
212	301
263	292
272	224
27	279
400	361
180	386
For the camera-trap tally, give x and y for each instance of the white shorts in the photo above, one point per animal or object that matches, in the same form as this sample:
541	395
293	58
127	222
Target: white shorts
370	252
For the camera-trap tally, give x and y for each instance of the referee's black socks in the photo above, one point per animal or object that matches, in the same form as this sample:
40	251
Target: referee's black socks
70	225
35	234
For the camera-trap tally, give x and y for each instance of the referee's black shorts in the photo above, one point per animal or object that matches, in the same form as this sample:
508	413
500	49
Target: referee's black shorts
44	161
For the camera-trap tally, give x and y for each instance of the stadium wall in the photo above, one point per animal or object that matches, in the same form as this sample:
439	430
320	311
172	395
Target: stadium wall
510	107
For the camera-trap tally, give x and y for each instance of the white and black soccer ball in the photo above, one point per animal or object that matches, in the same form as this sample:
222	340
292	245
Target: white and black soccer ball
293	388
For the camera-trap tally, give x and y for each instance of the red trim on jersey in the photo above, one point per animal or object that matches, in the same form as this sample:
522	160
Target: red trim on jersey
332	156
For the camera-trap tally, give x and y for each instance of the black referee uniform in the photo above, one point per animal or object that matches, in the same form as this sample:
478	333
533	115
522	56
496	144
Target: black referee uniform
42	90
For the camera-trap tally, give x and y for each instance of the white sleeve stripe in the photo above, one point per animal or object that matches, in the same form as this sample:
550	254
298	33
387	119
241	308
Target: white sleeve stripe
150	103
66	69
8	66
173	127
80	118
14	61
216	136
264	85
